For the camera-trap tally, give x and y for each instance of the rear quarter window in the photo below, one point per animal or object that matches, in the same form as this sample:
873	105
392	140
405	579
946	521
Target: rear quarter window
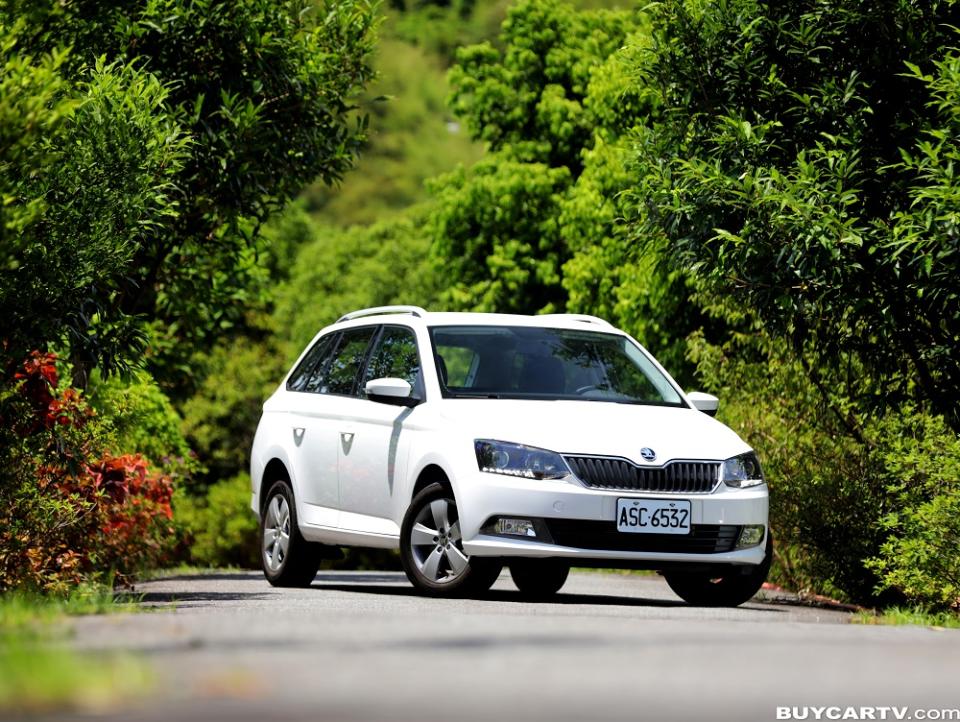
315	357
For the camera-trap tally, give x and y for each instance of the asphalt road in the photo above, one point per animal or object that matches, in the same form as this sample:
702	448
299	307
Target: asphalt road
362	646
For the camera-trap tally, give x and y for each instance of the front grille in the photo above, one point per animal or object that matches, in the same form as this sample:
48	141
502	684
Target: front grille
690	477
702	539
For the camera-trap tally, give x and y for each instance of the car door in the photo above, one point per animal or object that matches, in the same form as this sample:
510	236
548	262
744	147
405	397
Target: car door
317	421
376	456
314	450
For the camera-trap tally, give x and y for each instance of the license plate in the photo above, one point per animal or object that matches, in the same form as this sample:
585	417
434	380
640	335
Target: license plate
653	516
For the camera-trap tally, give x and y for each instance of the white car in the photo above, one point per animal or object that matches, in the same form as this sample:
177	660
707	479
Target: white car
474	441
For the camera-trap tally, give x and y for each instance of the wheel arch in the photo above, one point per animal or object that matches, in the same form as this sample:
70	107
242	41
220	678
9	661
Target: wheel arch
431	473
275	470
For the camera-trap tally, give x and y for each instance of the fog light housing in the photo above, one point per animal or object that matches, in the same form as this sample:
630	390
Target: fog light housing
515	527
750	536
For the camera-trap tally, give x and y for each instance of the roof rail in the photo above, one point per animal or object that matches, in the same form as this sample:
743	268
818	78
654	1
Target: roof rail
582	317
381	310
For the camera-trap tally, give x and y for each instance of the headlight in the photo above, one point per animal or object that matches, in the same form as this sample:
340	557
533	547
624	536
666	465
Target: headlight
499	457
742	471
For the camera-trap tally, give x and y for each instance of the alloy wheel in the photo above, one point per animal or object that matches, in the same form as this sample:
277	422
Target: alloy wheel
435	542
276	533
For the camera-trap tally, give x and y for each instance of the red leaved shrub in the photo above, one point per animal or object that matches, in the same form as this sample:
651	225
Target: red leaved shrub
70	510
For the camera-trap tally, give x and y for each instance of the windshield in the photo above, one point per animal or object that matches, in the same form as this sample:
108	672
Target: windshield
521	362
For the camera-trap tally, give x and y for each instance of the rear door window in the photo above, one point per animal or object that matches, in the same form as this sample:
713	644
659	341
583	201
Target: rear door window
340	375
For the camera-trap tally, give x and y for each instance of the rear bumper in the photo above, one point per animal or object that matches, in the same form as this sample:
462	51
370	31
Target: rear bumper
483	496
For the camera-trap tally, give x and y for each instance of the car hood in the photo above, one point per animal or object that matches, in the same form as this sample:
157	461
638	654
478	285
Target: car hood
597	428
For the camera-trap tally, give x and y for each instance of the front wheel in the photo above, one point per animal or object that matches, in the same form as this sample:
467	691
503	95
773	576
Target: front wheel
431	548
539	578
731	589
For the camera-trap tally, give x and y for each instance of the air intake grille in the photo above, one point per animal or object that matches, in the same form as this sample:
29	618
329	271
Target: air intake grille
702	539
690	477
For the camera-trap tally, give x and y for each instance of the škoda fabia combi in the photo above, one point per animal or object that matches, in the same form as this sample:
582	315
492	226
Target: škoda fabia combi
474	441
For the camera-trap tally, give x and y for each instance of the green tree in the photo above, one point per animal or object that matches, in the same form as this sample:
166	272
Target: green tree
221	418
86	174
342	270
537	225
802	164
256	94
496	225
497	235
800	168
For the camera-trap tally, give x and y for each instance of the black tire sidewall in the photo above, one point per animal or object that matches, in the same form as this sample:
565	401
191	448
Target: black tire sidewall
734	588
539	578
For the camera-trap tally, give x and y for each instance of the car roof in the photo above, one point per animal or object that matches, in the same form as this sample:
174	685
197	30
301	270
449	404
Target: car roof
415	316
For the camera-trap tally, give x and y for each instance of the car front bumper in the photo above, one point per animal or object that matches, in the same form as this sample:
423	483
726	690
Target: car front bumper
565	504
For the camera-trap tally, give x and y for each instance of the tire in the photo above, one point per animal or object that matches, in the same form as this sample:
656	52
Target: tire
294	564
539	578
431	549
736	586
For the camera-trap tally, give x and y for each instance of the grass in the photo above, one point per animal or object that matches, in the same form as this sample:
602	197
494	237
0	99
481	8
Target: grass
910	615
193	570
38	670
619	572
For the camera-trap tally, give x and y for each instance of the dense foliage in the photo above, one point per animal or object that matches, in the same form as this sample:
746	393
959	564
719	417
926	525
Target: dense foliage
83	184
497	226
800	168
219	526
142	147
188	124
801	165
537	225
853	517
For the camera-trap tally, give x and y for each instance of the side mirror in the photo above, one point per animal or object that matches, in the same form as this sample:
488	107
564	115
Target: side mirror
707	403
395	392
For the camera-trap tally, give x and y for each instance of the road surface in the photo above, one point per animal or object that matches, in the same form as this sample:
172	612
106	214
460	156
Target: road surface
362	646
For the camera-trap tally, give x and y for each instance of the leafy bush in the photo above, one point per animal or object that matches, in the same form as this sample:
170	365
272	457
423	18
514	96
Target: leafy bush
862	507
498	229
135	198
88	176
219	526
780	171
69	509
921	558
142	420
342	270
825	500
220	419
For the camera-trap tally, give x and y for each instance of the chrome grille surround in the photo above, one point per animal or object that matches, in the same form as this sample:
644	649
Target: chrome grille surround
674	477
